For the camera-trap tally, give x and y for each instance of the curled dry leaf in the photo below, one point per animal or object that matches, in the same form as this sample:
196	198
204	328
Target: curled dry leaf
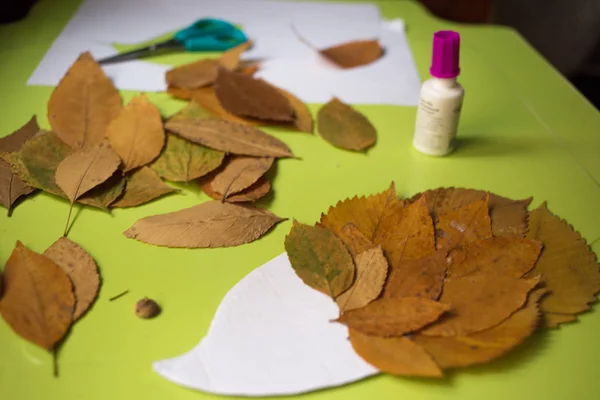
393	316
230	137
230	59
143	185
567	265
344	127
81	268
394	355
211	224
354	240
320	259
371	271
464	224
137	134
252	193
239	173
247	96
38	298
194	75
83	104
353	54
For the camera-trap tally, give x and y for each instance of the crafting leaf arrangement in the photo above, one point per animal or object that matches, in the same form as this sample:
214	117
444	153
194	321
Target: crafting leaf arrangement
448	278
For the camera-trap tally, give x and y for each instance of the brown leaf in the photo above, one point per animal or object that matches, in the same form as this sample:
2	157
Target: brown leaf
38	298
344	127
320	259
371	271
567	264
246	96
354	54
394	316
354	240
248	67
230	60
239	173
464	224
15	140
252	193
396	355
183	161
365	213
143	185
180	93
80	268
137	134
83	104
553	320
106	193
423	277
211	224
479	302
207	98
510	256
193	75
231	138
303	120
484	346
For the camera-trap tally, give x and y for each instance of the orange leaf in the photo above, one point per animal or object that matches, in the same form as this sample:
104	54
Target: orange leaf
354	54
354	240
193	75
467	223
259	189
231	58
180	93
303	120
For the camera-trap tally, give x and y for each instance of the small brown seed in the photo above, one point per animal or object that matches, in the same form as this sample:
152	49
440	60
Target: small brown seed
147	308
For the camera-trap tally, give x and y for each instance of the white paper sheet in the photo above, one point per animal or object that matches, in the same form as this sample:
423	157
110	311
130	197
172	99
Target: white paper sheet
271	335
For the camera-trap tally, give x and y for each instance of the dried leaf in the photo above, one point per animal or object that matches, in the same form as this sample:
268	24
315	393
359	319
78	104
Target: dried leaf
231	138
230	60
479	302
423	277
344	127
211	224
303	120
259	189
553	320
371	271
180	93
38	298
83	104
567	264
396	355
354	54
464	224
393	316
248	67
193	110
239	173
207	98
510	256
137	134
106	193
365	213
183	161
143	185
320	259
354	240
246	96
484	346
80	268
193	75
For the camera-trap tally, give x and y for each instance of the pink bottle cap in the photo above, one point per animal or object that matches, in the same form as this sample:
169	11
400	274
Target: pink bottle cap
446	50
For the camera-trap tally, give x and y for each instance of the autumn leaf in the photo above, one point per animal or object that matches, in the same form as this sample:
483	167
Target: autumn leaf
207	98
83	104
484	346
393	316
11	186
193	110
344	127
180	93
247	96
320	259
38	298
193	75
479	302
252	193
230	59
239	173
84	170
211	224
510	256
553	320
353	54
395	355
567	265
105	194
230	137
81	269
303	120
183	161
143	185
464	224
137	134
354	240
371	271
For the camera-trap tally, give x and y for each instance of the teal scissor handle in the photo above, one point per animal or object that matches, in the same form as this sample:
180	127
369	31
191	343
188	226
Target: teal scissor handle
210	35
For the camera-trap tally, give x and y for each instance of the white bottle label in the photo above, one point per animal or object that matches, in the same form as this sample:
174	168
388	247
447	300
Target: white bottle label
437	122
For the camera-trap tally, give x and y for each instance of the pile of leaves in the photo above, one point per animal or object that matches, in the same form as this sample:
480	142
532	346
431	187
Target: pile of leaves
448	278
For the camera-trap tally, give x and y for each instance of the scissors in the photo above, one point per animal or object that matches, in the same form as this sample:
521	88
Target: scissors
203	35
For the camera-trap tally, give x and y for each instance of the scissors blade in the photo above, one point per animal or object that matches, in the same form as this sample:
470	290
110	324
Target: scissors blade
153	49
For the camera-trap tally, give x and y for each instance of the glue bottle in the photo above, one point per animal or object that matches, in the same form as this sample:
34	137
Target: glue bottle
441	98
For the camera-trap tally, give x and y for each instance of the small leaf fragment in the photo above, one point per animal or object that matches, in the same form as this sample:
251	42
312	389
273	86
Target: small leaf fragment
464	224
252	193
239	173
353	54
194	75
320	259
143	185
344	127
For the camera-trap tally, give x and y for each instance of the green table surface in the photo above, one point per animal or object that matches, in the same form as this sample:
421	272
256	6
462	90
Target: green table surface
525	131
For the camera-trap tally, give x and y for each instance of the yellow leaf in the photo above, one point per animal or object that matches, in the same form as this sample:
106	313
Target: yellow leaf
464	224
354	240
344	127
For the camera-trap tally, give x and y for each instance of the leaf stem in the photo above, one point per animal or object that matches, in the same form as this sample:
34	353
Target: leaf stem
55	362
68	219
119	295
